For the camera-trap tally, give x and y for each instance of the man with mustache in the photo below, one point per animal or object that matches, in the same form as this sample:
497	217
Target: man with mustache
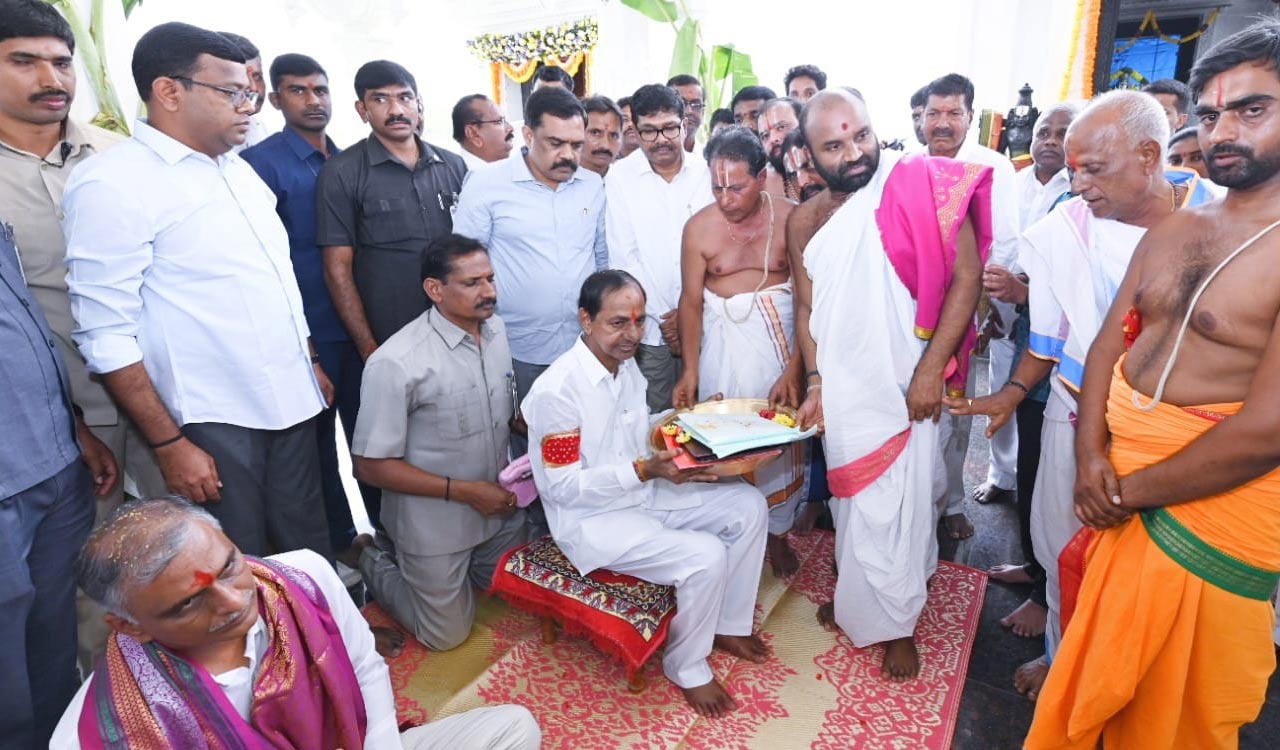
1039	190
186	303
918	100
948	114
40	145
778	118
1115	151
380	204
604	134
1169	645
542	219
289	162
215	648
650	197
612	503
433	434
630	139
482	131
258	82
736	331
748	103
870	257
690	90
803	180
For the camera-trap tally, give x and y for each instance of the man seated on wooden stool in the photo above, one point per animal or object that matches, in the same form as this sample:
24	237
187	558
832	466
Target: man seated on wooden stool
608	509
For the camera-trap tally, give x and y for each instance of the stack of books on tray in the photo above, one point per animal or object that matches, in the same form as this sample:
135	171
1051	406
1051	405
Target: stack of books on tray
729	434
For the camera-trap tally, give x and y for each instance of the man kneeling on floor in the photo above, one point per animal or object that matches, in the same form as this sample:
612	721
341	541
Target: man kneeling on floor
644	516
212	648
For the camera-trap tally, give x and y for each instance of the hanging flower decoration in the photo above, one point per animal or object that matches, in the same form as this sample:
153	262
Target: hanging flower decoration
558	42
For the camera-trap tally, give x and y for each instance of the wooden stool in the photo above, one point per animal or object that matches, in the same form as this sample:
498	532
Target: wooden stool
623	616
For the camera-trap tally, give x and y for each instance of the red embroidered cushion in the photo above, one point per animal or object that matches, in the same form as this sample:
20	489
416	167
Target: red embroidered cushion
623	616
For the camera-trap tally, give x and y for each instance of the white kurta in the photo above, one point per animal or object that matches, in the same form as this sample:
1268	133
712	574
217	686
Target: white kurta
1076	263
746	343
862	313
707	540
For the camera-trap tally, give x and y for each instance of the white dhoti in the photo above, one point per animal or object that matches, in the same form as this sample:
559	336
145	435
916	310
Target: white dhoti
1053	516
863	323
712	554
507	727
746	343
1076	263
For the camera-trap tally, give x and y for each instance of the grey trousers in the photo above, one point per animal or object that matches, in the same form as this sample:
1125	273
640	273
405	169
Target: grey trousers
41	530
433	596
661	369
271	498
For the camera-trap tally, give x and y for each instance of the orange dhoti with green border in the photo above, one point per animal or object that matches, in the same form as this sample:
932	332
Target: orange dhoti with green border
1169	646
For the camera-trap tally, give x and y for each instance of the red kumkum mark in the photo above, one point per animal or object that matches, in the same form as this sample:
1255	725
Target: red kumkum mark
1073	163
844	126
1220	99
203	579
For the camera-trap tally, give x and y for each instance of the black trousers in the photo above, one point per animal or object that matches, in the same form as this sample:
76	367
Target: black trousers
1030	419
271	498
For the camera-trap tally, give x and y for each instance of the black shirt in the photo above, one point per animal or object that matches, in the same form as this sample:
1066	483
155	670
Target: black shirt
389	214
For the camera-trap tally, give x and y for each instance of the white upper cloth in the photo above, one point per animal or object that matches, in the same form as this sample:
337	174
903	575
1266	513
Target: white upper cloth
371	671
472	161
1059	253
179	261
644	223
862	314
1035	199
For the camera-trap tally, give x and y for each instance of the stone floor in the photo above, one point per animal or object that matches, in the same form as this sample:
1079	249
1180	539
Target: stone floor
993	716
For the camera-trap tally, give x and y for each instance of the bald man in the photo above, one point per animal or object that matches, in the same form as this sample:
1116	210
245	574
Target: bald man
214	648
867	256
1075	259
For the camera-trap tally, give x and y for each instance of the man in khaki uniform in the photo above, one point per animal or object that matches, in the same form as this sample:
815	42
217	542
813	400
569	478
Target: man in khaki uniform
433	430
39	146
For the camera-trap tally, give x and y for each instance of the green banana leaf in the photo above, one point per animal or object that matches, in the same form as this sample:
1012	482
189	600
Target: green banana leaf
687	56
662	11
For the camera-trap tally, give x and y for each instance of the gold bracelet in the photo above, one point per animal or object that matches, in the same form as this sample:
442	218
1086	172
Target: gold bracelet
638	466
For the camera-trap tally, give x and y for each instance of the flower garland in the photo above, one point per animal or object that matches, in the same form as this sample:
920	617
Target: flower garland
559	42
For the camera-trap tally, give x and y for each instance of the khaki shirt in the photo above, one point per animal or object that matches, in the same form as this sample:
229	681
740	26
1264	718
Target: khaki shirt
436	399
31	200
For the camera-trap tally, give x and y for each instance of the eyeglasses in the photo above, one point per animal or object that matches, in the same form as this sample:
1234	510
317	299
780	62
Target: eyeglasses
238	97
670	132
500	121
695	105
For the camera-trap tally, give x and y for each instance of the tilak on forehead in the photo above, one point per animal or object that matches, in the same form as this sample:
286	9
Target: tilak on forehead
1220	97
844	126
203	579
724	172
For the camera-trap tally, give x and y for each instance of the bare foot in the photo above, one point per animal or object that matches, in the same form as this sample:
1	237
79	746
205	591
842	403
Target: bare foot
388	642
957	526
901	660
1008	573
749	647
1028	620
781	558
709	700
350	556
1029	677
827	617
988	492
807	519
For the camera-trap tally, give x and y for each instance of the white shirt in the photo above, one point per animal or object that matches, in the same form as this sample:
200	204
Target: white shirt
644	222
179	261
371	670
472	161
1005	222
612	419
1035	199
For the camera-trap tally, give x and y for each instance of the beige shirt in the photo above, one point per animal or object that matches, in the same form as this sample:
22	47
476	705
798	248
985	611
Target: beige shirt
31	200
435	397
